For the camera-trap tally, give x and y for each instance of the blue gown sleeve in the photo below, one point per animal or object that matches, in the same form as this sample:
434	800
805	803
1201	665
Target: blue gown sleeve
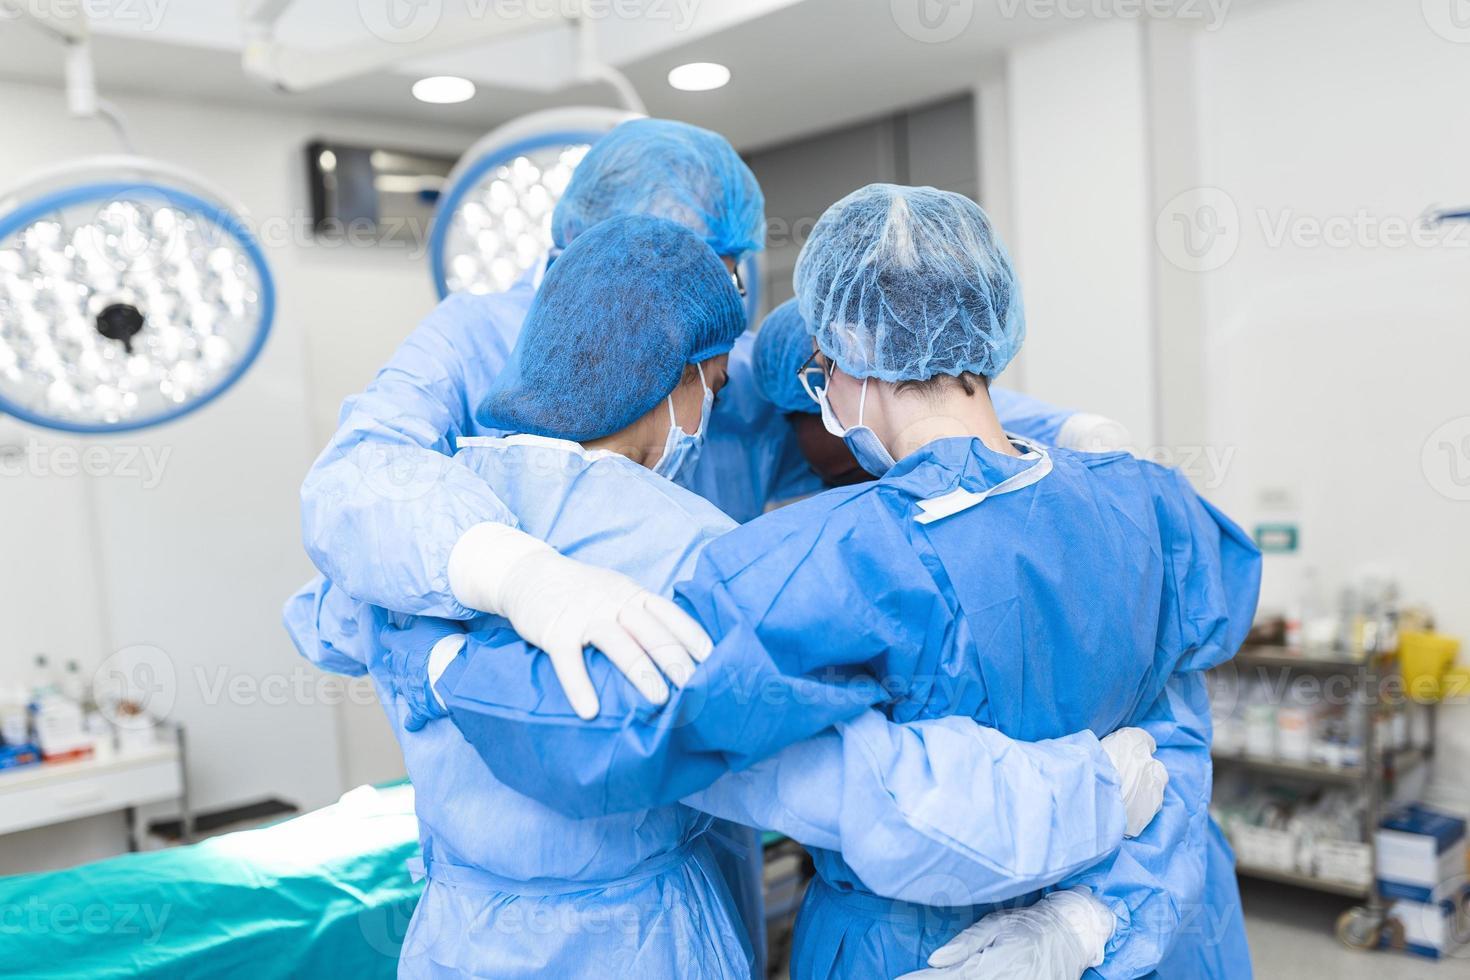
344	636
943	800
790	661
1158	878
325	630
384	504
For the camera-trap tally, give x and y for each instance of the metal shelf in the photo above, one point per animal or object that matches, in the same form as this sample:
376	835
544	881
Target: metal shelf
1400	761
1382	766
1288	659
1330	885
1295	770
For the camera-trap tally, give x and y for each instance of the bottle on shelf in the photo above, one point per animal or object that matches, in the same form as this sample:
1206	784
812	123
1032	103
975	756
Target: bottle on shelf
43	678
74	686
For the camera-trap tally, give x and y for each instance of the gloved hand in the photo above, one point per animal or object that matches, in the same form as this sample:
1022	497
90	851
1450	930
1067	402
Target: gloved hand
1059	938
1144	777
562	606
407	650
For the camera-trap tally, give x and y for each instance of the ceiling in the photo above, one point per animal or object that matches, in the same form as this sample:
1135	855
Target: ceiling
797	65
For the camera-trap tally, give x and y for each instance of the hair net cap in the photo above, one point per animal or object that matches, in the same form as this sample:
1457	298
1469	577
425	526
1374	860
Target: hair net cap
907	283
670	170
782	345
618	316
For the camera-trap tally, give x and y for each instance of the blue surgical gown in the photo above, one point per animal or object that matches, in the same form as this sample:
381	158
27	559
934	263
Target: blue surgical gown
383	507
1092	599
912	797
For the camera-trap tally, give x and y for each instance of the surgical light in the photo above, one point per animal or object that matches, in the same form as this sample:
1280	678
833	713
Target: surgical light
130	294
443	90
699	76
493	220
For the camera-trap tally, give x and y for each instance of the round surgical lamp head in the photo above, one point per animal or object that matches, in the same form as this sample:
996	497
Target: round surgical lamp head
493	219
131	293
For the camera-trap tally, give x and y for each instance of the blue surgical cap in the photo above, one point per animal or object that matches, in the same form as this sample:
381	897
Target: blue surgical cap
906	283
782	345
618	316
671	170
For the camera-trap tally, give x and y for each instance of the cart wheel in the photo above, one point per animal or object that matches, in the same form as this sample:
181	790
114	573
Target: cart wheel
1360	928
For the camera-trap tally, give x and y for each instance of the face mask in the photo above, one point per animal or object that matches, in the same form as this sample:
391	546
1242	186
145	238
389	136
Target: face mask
681	449
869	450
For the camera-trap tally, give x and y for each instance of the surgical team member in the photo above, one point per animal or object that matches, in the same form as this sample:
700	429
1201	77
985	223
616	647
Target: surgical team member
629	334
385	516
783	345
1035	591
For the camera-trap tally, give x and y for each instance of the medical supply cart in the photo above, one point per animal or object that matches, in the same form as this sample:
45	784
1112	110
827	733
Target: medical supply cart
1374	769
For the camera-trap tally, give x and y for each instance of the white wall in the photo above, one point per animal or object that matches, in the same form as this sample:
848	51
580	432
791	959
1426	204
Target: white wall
1331	367
1319	377
1078	172
200	564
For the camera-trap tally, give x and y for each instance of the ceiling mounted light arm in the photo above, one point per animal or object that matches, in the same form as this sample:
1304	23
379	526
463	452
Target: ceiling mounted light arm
67	25
592	68
292	68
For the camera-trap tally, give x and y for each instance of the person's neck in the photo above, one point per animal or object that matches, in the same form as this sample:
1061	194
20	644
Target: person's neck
631	442
913	420
638	441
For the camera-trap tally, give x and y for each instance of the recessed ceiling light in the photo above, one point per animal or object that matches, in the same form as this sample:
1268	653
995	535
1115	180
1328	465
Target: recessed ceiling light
699	76
444	89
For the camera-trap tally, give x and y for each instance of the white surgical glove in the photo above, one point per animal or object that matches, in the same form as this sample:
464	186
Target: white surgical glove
1059	938
1091	433
562	606
1143	777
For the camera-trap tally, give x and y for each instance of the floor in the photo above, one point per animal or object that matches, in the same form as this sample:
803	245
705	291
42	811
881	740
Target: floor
1291	937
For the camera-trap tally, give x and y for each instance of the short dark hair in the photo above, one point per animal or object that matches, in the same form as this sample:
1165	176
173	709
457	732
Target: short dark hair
968	382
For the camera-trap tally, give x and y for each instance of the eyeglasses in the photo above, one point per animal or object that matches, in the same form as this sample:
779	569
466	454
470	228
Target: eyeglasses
738	281
813	375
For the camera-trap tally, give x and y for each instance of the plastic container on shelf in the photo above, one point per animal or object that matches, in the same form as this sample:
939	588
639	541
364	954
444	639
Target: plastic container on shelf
1294	728
1260	730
